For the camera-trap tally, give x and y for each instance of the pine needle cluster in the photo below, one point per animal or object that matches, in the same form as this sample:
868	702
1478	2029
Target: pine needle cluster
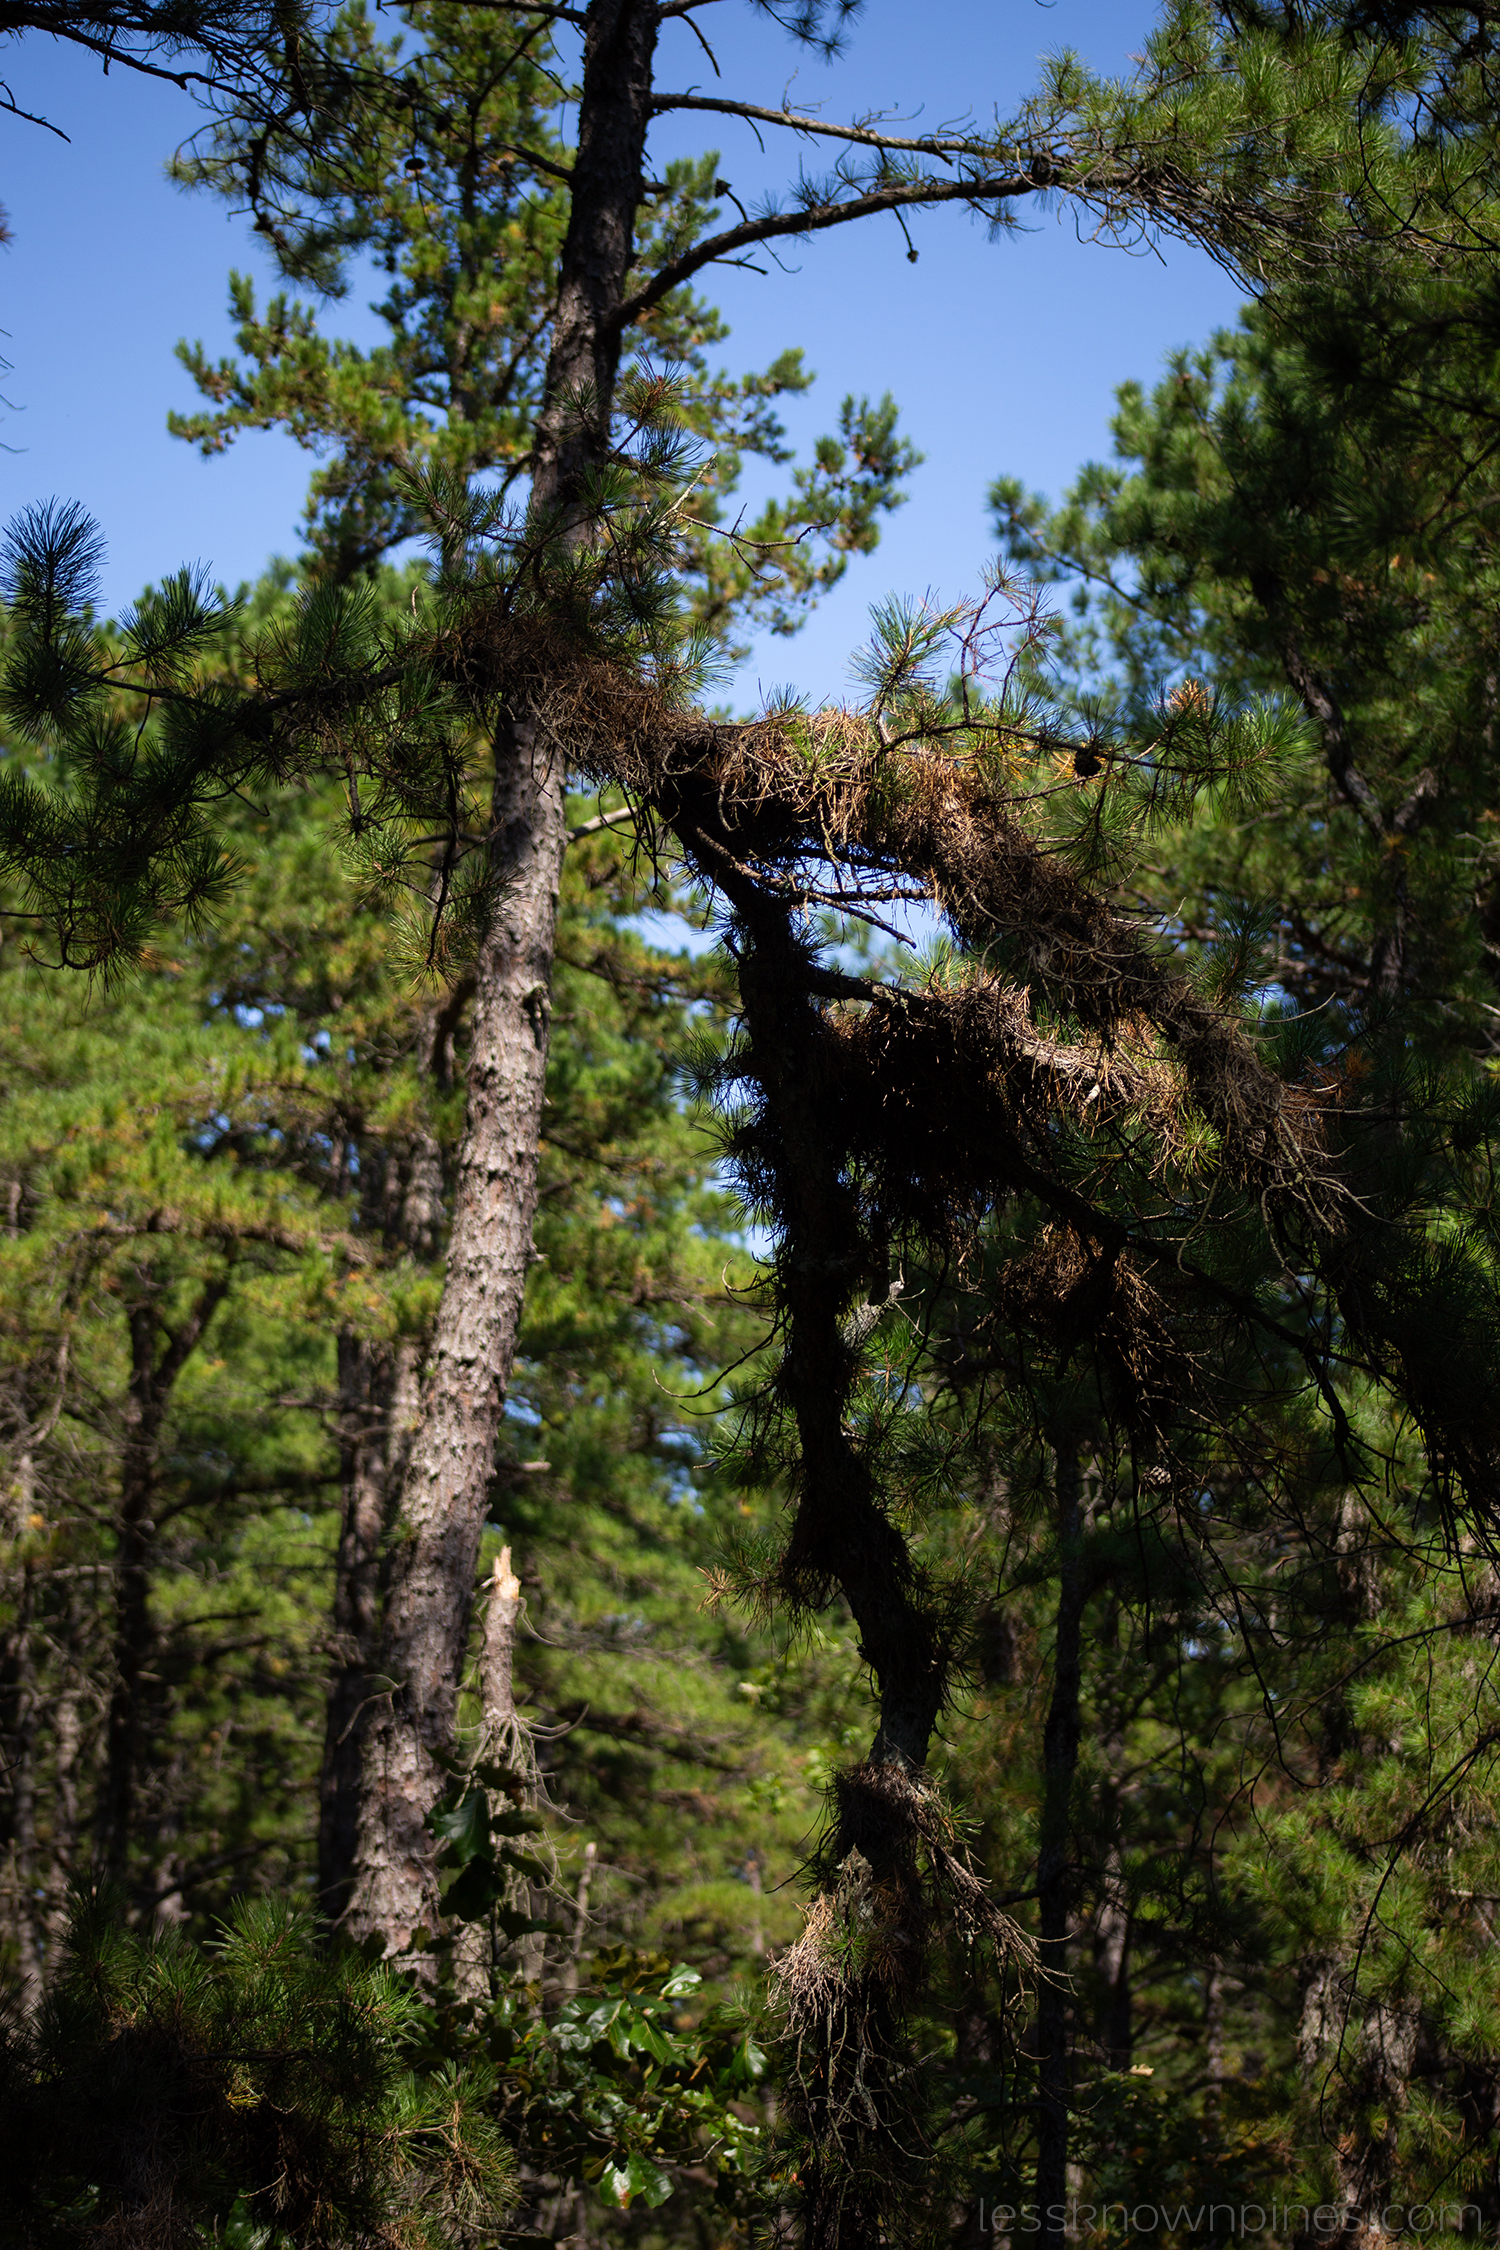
163	2088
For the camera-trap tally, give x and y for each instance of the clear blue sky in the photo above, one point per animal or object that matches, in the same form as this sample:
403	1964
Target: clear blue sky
1003	355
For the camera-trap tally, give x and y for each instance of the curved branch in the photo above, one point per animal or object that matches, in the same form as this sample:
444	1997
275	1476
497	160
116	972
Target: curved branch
818	218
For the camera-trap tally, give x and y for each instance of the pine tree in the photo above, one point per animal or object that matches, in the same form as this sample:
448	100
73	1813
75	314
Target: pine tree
427	1625
1302	507
242	51
162	2094
455	192
1102	1096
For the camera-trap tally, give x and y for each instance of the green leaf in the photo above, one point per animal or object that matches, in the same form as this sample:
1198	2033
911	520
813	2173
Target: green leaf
650	2040
614	2186
636	2176
465	1831
525	1863
648	2180
516	1924
516	1824
474	1893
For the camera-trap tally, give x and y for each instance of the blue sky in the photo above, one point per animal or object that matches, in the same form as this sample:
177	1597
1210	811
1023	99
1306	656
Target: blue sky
1003	355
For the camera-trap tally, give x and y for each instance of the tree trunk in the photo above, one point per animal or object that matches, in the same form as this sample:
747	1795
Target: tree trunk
365	1380
1112	1915
445	1493
31	1927
614	112
151	1383
379	1395
1355	2058
1054	1883
504	1741
135	1535
1112	1961
447	1483
1213	2046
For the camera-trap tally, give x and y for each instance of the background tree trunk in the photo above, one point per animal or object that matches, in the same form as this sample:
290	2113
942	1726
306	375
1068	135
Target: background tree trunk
365	1381
379	1399
1054	1882
153	1375
30	1902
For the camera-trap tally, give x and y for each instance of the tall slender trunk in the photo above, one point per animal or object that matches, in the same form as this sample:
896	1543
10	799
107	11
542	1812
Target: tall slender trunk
135	1535
445	1491
31	1928
365	1372
1060	1740
379	1401
446	1487
1112	1960
1213	2046
1112	1916
67	1744
152	1379
1355	2054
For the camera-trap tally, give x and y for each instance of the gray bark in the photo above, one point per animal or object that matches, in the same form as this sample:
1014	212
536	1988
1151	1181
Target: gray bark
365	1372
504	1740
379	1395
446	1488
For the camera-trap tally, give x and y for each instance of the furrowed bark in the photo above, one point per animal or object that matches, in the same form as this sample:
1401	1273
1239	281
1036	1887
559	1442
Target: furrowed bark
613	114
1060	1739
451	1463
429	1606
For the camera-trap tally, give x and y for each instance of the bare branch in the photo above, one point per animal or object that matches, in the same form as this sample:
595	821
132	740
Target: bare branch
817	218
864	136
